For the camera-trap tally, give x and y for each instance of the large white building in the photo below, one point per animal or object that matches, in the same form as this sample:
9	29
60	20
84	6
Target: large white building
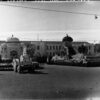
47	48
13	47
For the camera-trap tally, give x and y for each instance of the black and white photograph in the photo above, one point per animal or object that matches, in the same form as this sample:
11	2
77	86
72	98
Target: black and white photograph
50	50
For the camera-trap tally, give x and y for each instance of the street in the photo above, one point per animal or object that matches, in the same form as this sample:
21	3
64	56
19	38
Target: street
52	82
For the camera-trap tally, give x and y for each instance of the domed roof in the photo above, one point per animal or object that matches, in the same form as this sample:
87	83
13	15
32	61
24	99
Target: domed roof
12	39
67	38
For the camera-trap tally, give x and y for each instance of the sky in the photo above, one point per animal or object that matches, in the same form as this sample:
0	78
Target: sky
36	24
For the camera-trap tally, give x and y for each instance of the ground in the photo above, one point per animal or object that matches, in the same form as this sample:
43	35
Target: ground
52	82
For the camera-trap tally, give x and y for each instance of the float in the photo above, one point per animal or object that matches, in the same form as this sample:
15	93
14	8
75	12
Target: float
69	56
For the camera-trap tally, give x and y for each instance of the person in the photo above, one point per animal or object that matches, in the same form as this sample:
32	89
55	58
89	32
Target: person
49	59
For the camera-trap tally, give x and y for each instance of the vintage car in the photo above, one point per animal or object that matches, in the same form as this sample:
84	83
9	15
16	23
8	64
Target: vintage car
24	63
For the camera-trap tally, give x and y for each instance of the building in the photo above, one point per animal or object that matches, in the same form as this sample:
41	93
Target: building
40	48
13	47
53	47
47	48
90	47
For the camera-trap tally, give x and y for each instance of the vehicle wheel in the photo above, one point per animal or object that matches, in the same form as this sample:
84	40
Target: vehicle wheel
19	69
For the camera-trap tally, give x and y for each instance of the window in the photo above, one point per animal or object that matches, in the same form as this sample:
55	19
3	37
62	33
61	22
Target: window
47	47
53	47
59	47
50	47
38	47
50	53
47	53
5	49
53	53
56	47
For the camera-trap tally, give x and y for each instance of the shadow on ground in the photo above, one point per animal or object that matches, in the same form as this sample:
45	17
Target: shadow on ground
34	72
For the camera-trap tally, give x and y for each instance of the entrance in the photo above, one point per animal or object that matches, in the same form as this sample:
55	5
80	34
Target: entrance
13	54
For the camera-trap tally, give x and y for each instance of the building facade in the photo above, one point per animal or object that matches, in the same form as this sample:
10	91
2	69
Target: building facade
40	48
53	47
90	47
11	48
14	47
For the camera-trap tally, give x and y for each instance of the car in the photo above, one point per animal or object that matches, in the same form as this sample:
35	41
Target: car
24	63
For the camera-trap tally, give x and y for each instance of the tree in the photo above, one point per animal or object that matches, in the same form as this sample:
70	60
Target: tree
83	49
30	50
97	48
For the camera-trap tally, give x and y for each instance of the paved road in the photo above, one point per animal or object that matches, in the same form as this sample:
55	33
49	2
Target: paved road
52	82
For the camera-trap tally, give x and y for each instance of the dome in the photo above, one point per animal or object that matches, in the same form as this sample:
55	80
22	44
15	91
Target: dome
12	39
67	38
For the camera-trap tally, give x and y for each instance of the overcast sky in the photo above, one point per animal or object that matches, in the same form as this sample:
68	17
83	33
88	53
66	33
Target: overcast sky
34	24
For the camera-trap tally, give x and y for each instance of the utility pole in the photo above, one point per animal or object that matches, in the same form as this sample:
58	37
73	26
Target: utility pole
38	37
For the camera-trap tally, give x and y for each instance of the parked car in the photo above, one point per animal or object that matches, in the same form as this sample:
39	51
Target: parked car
24	63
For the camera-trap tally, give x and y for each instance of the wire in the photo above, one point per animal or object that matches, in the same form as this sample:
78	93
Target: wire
51	10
